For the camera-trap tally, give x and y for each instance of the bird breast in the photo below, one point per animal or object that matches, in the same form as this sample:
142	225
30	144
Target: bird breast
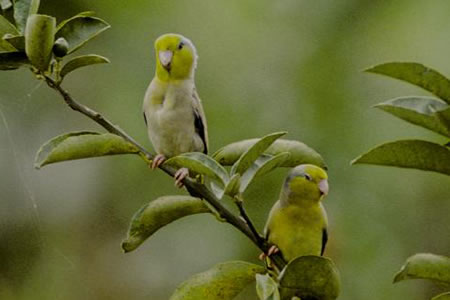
171	121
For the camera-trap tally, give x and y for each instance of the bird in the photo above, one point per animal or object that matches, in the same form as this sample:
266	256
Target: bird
172	109
297	223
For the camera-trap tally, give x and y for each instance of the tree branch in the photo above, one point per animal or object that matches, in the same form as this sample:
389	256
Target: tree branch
244	225
240	204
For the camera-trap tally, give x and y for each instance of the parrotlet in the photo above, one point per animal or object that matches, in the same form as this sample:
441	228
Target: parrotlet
297	223
173	111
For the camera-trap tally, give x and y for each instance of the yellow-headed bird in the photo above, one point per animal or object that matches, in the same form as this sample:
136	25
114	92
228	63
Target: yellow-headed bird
297	223
173	112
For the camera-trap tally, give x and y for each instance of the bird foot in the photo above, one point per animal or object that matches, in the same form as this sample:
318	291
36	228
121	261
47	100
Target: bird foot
272	250
157	161
180	175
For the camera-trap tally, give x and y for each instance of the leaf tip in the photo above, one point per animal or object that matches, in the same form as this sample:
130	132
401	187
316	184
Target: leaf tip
127	246
355	161
378	69
280	133
38	162
124	247
379	105
398	277
369	69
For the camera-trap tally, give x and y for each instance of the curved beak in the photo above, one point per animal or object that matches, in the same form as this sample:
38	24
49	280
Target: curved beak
165	57
323	187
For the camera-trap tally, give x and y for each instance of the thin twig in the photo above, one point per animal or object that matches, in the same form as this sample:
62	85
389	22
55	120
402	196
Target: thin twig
245	226
240	204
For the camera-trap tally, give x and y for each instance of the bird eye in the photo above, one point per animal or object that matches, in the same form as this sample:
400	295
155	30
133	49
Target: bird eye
308	177
180	46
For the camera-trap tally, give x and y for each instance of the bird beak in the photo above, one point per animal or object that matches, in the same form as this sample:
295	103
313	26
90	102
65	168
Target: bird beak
165	57
323	187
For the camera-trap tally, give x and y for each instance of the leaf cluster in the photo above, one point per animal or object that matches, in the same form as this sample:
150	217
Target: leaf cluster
435	268
307	276
36	41
428	112
33	40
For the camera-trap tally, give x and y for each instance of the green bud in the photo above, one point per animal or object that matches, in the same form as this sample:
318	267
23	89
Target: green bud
61	47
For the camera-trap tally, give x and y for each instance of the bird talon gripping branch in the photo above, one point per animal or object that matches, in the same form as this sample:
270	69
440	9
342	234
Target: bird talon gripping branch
180	175
157	161
272	250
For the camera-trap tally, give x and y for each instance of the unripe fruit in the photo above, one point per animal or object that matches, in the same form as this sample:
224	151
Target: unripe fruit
61	47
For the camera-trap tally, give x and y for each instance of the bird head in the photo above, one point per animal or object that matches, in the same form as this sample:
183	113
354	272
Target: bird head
306	182
176	57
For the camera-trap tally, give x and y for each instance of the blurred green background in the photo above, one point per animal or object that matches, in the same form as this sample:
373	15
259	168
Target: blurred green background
264	66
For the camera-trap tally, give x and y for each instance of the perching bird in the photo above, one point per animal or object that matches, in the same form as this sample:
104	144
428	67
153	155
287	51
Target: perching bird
173	112
297	223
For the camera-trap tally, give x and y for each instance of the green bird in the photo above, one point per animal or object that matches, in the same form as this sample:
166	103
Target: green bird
297	223
173	111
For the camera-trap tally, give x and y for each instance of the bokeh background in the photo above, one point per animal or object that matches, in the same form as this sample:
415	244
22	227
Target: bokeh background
264	66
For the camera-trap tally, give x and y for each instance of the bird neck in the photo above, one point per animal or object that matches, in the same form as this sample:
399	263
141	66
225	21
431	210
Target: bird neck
167	92
300	200
174	74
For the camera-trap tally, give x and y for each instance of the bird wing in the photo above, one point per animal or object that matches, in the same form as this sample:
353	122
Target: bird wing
145	118
324	240
324	230
200	120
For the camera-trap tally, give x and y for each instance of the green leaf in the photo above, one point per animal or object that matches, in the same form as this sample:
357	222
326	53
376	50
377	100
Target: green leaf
263	165
5	4
13	60
253	152
22	10
232	187
82	61
416	154
266	287
201	164
81	14
444	117
157	214
310	277
6	27
416	74
80	29
299	153
223	282
18	42
39	39
84	144
422	111
6	46
217	189
425	266
443	296
6	30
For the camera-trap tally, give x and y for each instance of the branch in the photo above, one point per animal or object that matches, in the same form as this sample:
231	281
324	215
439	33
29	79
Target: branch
240	204
244	225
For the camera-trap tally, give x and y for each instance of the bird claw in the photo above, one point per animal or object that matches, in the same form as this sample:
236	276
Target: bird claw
157	161
272	250
180	175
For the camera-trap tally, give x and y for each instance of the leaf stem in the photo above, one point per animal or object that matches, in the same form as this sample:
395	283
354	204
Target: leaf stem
244	225
240	204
